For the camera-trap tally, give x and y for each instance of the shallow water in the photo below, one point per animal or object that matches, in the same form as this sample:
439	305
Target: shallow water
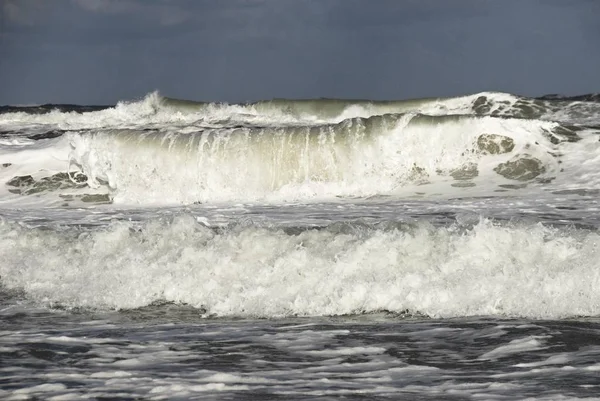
169	352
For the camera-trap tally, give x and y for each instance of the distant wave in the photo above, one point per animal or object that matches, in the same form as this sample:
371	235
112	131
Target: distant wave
323	110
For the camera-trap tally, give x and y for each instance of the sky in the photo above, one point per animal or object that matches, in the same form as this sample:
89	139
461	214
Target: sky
102	51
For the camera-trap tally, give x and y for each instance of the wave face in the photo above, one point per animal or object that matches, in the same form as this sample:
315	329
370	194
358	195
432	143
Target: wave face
525	270
358	157
167	151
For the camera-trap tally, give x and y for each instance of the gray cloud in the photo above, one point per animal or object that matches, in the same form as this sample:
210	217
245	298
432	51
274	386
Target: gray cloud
165	13
98	51
109	6
23	12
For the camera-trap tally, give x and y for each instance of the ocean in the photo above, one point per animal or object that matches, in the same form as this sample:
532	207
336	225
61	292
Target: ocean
427	249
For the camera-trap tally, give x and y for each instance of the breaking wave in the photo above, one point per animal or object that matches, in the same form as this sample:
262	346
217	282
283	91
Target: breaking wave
526	270
386	154
167	151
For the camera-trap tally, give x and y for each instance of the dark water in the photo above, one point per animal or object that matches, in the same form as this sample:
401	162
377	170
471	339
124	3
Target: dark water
169	352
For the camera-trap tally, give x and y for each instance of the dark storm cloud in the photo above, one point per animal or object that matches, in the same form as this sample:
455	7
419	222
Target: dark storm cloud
92	22
98	51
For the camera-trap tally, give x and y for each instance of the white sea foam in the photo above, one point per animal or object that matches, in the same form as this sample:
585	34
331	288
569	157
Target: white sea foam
529	270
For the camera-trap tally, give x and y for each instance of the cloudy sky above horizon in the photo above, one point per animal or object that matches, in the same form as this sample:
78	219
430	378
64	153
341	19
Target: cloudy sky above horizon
101	51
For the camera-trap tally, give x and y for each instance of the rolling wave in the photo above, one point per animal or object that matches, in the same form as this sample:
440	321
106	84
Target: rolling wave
389	154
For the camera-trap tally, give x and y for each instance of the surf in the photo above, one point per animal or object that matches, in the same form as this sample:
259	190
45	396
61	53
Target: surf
487	268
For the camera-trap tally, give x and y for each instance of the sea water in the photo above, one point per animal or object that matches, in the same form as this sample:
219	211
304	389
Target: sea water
419	249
